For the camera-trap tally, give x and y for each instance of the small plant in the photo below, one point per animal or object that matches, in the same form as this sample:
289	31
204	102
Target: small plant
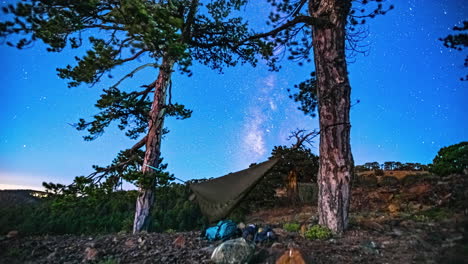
291	227
170	231
15	252
318	232
108	261
420	218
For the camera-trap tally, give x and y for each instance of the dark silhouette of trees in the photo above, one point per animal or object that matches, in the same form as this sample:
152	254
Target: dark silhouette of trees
451	159
458	42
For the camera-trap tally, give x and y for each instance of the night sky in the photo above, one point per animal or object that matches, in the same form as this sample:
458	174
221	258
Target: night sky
412	104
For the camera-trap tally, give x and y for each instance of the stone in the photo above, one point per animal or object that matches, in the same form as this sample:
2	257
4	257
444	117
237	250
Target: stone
12	234
90	254
419	189
233	251
291	256
372	225
277	245
393	208
280	232
303	230
130	243
179	242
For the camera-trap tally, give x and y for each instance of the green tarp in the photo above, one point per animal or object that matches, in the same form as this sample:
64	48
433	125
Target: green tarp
217	197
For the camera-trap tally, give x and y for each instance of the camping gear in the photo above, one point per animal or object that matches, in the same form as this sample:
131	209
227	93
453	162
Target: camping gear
249	232
258	234
265	235
233	251
223	230
217	197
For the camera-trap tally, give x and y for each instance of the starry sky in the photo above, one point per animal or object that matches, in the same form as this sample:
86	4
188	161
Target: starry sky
412	104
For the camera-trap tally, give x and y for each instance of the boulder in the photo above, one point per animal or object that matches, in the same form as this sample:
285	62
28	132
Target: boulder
235	251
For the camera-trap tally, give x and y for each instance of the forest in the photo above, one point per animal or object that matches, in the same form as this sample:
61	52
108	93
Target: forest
307	203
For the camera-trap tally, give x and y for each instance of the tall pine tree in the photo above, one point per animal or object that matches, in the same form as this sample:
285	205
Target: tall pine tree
162	34
326	28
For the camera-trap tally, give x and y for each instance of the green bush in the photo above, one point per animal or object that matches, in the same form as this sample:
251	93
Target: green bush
418	178
451	159
379	172
291	227
389	181
318	232
102	212
366	180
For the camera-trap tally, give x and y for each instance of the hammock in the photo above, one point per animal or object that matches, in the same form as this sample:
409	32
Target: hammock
218	197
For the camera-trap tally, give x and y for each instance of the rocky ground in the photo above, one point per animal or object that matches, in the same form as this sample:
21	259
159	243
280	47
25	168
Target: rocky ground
392	241
421	222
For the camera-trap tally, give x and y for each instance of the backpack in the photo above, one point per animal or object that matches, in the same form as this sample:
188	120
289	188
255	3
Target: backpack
224	230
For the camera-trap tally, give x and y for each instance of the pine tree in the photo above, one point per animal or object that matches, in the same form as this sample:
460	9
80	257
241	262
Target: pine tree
323	27
167	35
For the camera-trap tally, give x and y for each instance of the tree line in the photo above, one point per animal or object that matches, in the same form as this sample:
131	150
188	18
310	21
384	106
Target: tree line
392	166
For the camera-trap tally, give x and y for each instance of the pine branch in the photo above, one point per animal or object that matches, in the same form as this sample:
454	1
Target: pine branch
130	75
308	20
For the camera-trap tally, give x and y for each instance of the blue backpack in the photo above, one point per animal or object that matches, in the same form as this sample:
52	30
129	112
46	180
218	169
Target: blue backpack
224	230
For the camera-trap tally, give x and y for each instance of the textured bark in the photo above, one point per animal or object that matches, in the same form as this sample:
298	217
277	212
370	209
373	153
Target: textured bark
292	186
333	89
145	198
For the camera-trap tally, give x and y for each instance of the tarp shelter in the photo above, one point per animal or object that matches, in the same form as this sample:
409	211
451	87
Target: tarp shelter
217	197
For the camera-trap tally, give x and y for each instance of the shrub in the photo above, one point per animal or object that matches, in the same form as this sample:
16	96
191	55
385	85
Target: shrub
417	178
379	172
291	227
451	159
367	180
318	232
102	212
389	181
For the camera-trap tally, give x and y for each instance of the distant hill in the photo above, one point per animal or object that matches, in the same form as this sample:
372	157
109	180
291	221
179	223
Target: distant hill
15	197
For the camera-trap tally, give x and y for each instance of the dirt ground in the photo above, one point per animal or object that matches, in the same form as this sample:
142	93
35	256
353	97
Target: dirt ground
424	222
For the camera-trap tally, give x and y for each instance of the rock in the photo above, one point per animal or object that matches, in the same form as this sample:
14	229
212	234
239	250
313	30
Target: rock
280	232
51	256
233	251
393	208
179	242
397	232
209	249
291	256
130	243
90	254
419	189
12	234
277	245
141	242
370	247
303	230
372	225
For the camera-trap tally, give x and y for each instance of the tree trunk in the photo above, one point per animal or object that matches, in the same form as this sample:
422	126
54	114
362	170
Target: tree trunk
146	190
333	90
292	190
